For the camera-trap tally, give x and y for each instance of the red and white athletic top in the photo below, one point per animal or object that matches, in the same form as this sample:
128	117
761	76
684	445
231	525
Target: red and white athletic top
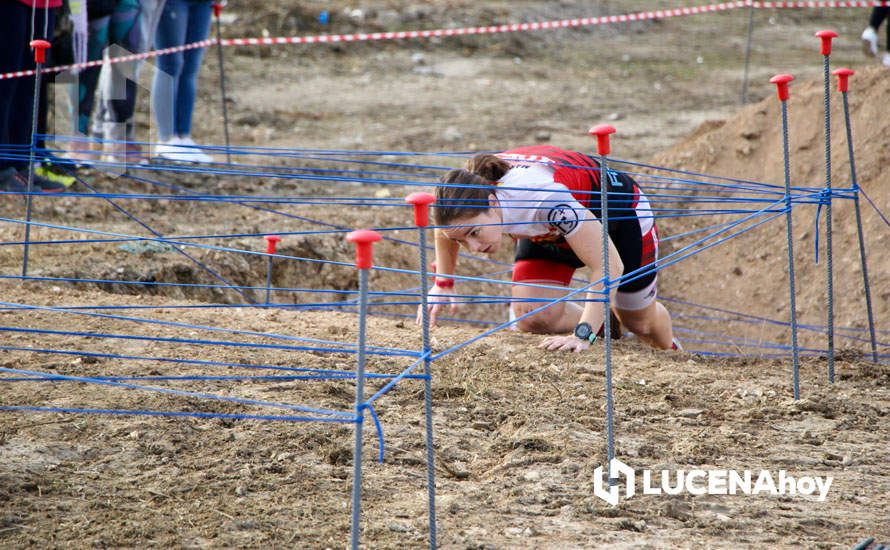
536	202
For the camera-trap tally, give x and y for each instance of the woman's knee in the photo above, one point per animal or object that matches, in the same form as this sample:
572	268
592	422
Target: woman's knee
541	322
639	324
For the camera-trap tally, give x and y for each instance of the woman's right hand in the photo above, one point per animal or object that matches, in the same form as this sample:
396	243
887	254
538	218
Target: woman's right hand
437	298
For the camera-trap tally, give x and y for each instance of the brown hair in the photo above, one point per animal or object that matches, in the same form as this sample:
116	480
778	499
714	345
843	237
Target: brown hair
466	197
488	166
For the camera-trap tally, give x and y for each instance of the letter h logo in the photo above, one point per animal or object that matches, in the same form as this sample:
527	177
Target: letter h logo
616	468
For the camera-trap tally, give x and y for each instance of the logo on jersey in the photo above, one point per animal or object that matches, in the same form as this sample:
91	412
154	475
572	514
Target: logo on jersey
563	218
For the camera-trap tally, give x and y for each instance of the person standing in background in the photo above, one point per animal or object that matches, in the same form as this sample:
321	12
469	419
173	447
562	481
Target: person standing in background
175	84
133	26
20	22
870	35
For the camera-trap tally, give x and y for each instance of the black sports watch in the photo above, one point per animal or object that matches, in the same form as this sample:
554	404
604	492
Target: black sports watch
583	331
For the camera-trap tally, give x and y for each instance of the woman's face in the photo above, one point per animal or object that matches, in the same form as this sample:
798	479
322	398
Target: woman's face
480	233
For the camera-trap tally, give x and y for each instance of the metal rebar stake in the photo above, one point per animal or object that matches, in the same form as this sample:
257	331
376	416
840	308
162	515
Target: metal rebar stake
39	47
602	133
421	202
271	242
363	240
748	52
781	81
217	10
843	75
826	37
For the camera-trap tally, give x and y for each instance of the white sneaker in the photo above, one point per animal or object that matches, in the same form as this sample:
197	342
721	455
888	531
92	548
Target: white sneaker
192	152
886	60
870	42
170	150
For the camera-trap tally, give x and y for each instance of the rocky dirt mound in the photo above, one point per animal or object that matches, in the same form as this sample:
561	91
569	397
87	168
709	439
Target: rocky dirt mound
749	273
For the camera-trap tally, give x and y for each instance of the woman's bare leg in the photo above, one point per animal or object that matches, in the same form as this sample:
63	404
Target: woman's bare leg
651	324
560	318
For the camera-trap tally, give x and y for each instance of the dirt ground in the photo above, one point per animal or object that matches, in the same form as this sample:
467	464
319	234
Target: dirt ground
518	431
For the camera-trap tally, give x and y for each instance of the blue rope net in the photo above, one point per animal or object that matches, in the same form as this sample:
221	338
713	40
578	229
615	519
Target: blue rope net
311	198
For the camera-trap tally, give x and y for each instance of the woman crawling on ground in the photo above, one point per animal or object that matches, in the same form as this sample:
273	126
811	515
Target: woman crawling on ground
548	200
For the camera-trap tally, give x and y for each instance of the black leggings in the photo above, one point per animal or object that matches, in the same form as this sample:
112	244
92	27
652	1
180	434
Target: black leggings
878	15
17	94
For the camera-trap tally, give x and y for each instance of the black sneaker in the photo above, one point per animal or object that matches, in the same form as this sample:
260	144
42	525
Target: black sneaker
41	183
10	181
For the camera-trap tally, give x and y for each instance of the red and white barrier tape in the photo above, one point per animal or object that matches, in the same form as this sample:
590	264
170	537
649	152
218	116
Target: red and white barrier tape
494	29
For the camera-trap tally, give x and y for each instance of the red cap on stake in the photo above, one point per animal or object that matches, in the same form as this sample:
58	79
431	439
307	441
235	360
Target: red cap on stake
843	74
421	202
826	37
271	241
364	240
40	47
602	132
781	81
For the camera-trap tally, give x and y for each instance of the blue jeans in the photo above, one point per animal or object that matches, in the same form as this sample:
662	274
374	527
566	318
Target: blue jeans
174	88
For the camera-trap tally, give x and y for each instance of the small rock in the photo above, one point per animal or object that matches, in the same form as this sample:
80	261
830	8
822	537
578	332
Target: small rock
249	119
614	116
452	134
398	527
542	135
678	509
690	413
532	475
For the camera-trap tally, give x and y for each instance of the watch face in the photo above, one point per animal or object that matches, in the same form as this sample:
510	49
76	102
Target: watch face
582	331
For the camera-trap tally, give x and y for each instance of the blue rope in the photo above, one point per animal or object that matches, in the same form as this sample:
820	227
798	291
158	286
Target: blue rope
70	410
322	373
271	335
179	393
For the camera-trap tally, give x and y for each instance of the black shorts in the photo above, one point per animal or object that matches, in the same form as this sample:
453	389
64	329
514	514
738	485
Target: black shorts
625	231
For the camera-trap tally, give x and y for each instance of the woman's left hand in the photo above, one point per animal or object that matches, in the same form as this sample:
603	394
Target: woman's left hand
567	343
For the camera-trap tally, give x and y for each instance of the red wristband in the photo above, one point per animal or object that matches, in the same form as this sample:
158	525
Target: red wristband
444	283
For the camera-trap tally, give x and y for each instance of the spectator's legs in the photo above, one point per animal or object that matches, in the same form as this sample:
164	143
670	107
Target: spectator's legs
171	32
21	101
120	94
878	15
198	29
89	77
14	28
870	34
118	83
149	17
